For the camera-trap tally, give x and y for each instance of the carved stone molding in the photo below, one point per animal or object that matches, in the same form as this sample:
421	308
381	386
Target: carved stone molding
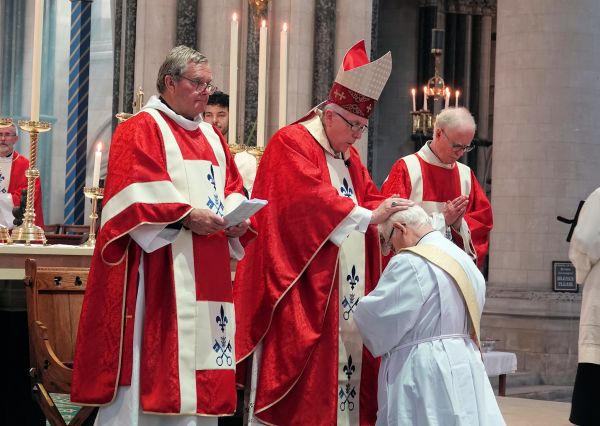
531	303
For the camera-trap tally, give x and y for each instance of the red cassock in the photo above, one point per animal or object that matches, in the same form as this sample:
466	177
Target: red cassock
430	185
187	366
18	181
286	287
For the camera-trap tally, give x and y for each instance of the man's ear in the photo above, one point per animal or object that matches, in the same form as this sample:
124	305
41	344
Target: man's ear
169	82
401	227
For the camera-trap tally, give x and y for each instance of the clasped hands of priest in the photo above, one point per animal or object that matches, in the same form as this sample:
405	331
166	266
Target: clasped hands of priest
454	211
206	222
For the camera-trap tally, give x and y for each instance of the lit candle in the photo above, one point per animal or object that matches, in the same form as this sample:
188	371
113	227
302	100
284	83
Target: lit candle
456	100
424	98
447	102
36	70
97	162
414	94
283	71
262	87
233	79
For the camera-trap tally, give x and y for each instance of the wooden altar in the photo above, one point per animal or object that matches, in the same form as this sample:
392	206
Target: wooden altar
12	258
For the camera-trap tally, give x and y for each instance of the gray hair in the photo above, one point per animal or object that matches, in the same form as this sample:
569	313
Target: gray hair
453	118
176	62
414	216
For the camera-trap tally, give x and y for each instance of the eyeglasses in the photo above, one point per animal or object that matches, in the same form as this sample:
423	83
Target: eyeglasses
387	242
457	146
200	86
353	126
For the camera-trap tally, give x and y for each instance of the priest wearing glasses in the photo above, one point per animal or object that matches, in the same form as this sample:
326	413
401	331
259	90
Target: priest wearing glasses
447	190
316	256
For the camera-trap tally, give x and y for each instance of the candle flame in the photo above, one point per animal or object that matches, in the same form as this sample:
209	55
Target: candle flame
425	89
264	23
99	147
447	91
285	26
413	91
457	93
234	17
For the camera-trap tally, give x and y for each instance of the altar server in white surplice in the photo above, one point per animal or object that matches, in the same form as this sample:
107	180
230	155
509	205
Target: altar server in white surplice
420	320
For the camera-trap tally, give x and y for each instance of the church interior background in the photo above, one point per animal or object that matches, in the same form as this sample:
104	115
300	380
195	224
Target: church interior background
527	70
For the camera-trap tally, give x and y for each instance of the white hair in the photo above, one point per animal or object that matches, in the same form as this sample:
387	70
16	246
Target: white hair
452	118
414	216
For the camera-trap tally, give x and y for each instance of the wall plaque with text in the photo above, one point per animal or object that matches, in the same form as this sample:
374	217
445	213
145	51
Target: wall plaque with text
563	276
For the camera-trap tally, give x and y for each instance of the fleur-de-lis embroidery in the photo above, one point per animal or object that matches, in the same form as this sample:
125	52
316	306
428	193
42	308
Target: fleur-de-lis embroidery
346	189
349	304
211	177
353	278
224	350
349	368
222	319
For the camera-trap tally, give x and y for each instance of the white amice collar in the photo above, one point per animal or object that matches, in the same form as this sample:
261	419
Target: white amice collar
314	125
155	103
427	154
8	158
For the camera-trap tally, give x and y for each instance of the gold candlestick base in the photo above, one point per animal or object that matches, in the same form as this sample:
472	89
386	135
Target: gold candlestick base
123	116
5	122
235	148
257	152
94	193
4	235
28	232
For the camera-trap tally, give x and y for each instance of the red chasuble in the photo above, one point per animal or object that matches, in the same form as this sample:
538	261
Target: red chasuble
158	171
18	181
430	185
286	289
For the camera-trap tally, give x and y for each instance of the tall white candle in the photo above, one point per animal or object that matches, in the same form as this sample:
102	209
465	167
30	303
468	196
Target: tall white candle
233	79
447	102
283	73
414	99
36	70
97	162
424	98
262	87
456	100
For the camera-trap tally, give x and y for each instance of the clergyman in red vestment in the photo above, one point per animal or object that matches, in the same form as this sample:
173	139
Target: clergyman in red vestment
156	335
447	189
316	255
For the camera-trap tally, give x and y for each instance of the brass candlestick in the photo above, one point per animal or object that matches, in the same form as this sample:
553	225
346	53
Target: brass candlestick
95	193
4	235
138	103
28	232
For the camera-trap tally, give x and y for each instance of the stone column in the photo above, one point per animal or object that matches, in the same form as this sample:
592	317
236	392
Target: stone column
483	125
324	49
546	156
155	31
187	15
353	22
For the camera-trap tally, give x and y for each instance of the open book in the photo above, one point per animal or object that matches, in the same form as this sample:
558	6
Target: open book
242	212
